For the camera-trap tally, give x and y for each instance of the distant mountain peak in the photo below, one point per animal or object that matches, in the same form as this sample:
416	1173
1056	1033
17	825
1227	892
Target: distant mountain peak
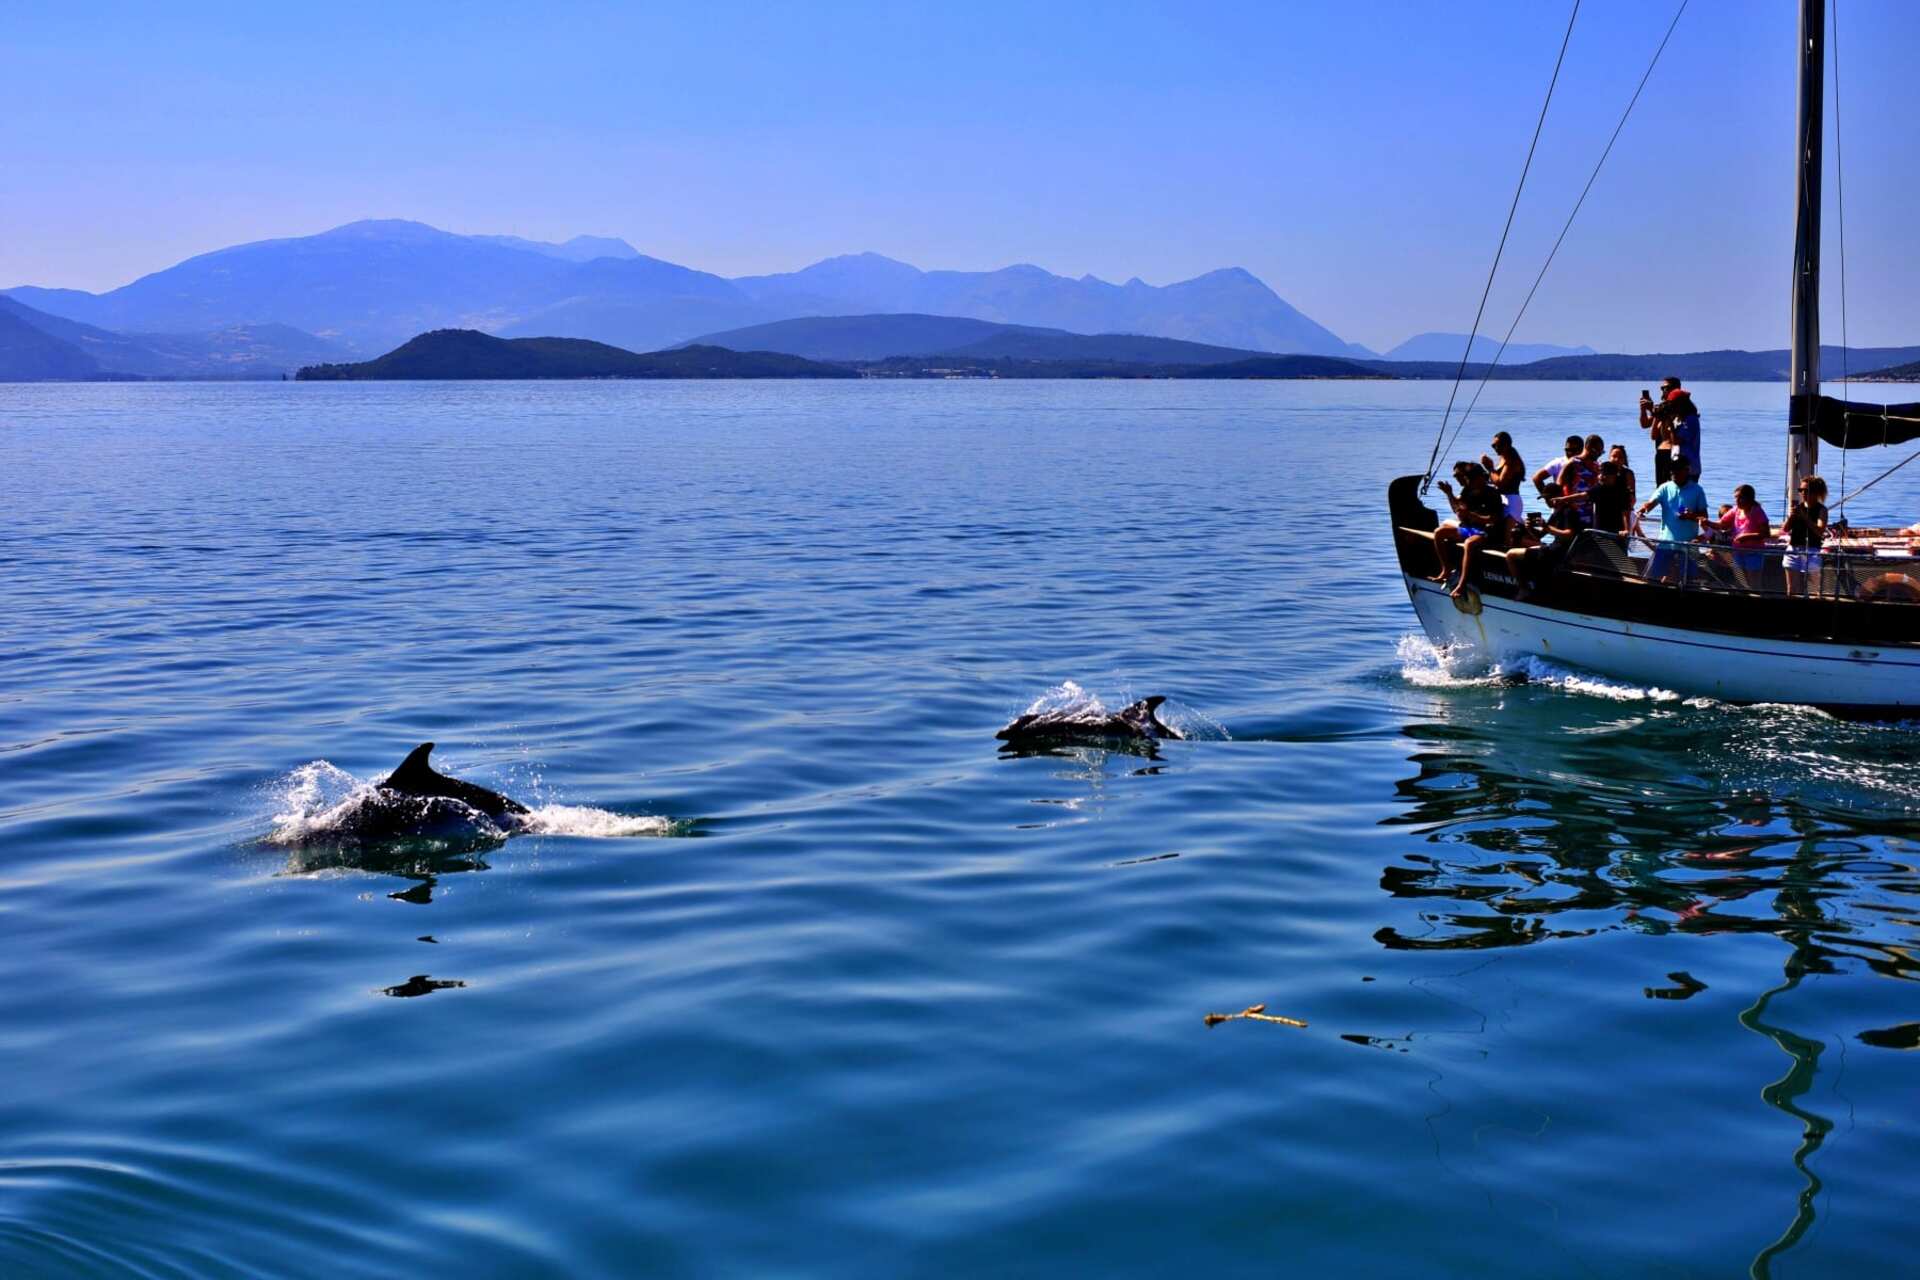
866	259
1230	275
385	229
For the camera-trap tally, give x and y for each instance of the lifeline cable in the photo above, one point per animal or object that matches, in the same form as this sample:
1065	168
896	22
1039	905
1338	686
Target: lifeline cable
1474	332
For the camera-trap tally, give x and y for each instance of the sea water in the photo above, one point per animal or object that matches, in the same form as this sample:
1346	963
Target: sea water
797	973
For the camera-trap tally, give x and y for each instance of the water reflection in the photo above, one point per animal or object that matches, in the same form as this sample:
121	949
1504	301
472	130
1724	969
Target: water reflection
1576	835
1551	821
421	985
1904	1036
1139	748
1785	1094
421	861
1090	770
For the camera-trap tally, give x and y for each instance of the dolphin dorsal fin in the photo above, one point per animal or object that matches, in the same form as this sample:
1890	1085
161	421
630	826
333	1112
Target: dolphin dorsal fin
415	766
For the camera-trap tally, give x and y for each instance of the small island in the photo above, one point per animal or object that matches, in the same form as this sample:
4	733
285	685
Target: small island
453	354
467	354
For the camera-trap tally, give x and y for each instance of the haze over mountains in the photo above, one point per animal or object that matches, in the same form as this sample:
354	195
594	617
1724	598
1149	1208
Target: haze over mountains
36	346
1446	346
859	339
368	286
271	307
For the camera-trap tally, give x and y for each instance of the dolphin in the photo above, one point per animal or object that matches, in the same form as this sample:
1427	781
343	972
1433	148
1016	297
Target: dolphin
1135	723
418	801
417	778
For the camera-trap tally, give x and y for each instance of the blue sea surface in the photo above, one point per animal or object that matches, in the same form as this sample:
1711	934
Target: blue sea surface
799	974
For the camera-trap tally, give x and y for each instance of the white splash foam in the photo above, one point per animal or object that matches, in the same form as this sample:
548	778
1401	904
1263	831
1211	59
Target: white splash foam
1427	666
320	799
1540	671
312	800
1070	698
593	824
1066	696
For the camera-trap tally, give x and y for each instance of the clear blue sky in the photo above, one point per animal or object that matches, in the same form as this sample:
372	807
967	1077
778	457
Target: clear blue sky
1356	156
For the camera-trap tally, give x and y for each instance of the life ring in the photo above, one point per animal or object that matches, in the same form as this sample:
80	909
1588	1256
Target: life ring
1891	587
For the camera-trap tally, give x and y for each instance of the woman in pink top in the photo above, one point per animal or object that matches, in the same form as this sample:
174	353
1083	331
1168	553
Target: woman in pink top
1747	530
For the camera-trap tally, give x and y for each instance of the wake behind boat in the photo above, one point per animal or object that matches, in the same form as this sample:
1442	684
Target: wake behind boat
1835	624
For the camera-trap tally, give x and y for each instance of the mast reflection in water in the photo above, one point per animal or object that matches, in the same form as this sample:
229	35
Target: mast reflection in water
1694	821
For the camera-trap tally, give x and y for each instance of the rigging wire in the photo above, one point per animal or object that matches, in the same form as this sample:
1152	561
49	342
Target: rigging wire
1433	460
1568	226
1840	184
1877	479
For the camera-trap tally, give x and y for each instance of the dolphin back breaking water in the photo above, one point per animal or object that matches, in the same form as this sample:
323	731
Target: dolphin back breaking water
417	779
1072	716
322	804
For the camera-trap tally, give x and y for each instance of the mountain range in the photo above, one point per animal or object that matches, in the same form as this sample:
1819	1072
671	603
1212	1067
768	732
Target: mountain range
36	346
369	286
267	308
861	339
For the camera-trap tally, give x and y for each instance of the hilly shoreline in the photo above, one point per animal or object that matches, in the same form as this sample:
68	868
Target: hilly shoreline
467	354
353	297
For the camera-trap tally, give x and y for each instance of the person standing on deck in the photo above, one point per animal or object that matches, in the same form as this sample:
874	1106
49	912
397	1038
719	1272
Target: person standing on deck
1806	530
1555	472
1618	457
1682	505
1685	418
1748	531
1610	500
1507	475
1653	421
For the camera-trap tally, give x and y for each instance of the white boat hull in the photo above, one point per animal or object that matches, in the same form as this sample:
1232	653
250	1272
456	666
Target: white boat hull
1730	668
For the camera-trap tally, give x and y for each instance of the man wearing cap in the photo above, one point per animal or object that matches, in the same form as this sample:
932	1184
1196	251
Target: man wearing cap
1686	422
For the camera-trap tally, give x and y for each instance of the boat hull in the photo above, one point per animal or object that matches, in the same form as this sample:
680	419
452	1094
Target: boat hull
1839	677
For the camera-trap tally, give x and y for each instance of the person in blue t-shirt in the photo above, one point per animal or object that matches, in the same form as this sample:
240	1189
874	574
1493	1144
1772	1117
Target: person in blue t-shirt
1683	504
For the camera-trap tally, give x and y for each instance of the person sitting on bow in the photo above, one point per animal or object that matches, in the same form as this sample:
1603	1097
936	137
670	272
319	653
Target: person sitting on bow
1480	519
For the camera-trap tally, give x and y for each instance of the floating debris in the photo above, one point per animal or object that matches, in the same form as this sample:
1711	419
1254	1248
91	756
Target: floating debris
1134	862
1257	1012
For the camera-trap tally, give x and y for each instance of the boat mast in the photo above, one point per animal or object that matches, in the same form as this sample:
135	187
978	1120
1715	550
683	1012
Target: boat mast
1803	446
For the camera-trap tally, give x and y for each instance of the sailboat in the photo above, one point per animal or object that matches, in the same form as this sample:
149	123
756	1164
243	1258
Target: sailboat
1847	640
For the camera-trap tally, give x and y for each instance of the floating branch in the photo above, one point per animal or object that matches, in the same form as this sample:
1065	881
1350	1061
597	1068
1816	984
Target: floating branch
1257	1012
